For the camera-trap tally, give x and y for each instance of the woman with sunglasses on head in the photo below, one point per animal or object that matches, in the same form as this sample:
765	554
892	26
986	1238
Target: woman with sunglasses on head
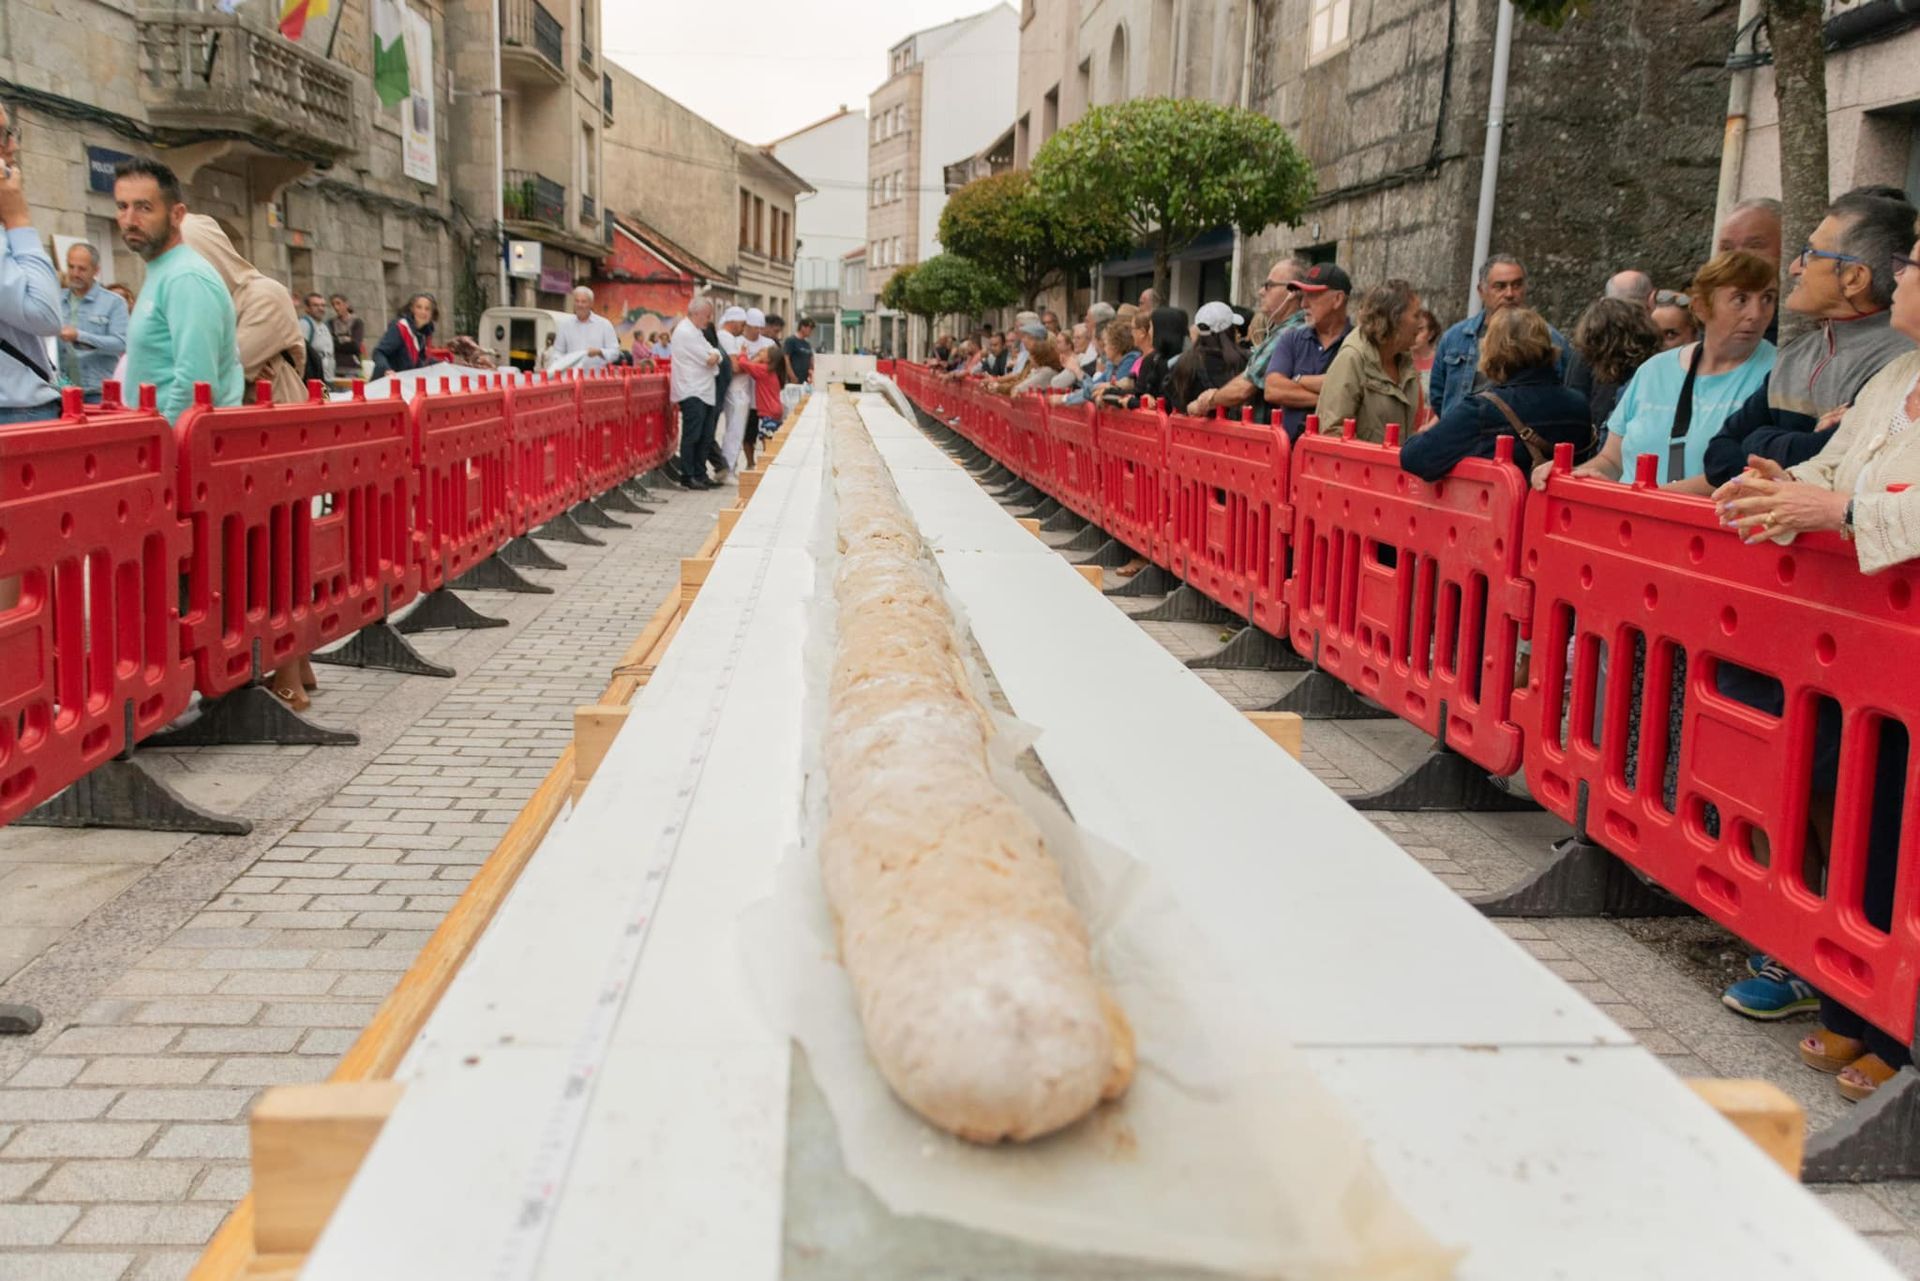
1865	487
1673	318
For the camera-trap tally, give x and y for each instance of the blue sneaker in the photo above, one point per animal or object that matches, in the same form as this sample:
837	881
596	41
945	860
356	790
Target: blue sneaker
1772	993
1756	962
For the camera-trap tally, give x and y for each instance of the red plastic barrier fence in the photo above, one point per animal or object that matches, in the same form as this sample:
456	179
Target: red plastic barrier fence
1230	519
545	418
1410	592
647	407
1787	650
90	548
273	575
1076	459
463	448
1132	446
1027	454
603	431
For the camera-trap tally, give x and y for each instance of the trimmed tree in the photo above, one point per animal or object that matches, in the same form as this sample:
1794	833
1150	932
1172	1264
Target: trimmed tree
950	284
1005	224
1172	168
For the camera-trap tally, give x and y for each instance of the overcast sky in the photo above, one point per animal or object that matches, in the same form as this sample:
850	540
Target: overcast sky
761	69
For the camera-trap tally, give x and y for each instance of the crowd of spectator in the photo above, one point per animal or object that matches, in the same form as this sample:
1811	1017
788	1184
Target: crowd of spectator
1815	435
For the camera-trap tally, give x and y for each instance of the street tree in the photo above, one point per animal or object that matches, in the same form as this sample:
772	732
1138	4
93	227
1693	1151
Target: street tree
1173	168
1007	225
952	284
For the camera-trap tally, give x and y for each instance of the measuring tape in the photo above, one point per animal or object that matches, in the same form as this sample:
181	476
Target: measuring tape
519	1256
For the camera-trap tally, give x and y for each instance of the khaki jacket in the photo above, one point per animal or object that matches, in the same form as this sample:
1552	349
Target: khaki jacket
1886	526
1357	386
269	335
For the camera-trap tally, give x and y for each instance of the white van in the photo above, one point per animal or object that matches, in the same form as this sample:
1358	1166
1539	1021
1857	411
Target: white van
518	336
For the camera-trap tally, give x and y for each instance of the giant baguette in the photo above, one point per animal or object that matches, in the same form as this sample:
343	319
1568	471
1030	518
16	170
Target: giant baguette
971	967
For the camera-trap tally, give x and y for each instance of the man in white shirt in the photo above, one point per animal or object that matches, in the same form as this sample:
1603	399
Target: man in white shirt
691	385
586	332
739	403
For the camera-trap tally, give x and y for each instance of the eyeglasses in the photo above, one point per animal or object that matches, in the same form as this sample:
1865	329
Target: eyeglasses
1293	288
1903	264
1808	251
1274	284
1671	298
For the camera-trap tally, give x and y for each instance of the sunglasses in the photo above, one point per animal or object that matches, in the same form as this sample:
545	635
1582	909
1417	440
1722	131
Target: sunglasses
1671	298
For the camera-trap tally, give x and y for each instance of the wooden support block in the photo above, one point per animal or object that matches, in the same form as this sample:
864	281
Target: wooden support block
1763	1112
1283	728
1031	524
693	572
307	1142
728	519
594	727
749	481
1093	574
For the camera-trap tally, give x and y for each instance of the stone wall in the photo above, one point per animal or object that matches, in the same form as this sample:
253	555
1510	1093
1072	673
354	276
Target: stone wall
1610	158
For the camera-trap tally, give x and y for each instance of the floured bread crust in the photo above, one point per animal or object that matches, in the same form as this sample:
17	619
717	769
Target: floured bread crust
971	967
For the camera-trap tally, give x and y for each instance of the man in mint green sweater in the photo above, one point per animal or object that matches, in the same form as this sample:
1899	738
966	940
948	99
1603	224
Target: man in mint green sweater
182	329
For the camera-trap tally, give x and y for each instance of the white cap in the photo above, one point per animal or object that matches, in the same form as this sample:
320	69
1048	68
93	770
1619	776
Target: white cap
756	319
1216	318
732	314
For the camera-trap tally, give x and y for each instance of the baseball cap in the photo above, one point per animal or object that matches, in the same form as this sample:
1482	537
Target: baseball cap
732	314
756	318
1216	318
1323	276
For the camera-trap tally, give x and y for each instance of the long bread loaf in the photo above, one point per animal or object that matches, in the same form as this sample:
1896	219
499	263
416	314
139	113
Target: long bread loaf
972	969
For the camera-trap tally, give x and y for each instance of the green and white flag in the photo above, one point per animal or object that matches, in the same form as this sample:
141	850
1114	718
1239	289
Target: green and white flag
390	77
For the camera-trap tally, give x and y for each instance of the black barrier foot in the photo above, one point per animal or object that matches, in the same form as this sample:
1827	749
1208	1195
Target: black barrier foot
1064	522
1150	581
1111	554
494	574
1090	539
1250	650
1186	605
443	611
527	554
1878	1139
250	714
635	490
1047	509
1445	780
585	513
616	500
562	529
18	1020
1319	697
1582	880
120	793
998	475
1021	495
378	645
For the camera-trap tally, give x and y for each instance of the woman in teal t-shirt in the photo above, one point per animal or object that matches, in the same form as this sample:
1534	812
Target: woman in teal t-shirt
1676	401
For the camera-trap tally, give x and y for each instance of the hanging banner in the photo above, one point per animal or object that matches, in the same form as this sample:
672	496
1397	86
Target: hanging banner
418	155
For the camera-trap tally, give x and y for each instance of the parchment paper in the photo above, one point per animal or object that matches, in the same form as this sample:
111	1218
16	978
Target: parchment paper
1226	1153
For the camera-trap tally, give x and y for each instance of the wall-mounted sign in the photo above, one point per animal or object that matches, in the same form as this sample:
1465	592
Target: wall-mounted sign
101	162
523	259
556	280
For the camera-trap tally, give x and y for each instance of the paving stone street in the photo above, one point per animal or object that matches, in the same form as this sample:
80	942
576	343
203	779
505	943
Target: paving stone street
181	975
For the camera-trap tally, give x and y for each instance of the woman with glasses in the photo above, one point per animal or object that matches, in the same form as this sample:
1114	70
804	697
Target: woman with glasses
1675	402
1865	487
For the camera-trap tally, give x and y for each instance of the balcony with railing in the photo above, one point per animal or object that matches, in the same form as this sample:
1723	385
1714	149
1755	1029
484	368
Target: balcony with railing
202	69
530	197
820	302
532	43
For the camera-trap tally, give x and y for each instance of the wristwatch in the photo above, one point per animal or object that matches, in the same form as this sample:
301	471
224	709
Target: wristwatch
1846	521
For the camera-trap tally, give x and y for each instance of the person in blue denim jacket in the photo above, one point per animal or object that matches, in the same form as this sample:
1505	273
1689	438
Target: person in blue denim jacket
93	331
1456	361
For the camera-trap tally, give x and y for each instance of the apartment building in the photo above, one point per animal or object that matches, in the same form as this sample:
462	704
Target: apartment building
831	155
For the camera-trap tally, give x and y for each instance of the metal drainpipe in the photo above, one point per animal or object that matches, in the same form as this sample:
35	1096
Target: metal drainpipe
1733	149
499	166
1490	165
1246	100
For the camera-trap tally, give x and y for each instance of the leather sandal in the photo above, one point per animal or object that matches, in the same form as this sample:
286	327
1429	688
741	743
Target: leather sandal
1865	1075
1830	1052
298	701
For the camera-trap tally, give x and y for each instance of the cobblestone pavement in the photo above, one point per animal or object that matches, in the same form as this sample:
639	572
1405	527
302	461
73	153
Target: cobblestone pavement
1643	983
179	976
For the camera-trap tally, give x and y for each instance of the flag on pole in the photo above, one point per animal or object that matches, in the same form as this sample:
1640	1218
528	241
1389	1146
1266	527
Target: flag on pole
294	15
391	79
